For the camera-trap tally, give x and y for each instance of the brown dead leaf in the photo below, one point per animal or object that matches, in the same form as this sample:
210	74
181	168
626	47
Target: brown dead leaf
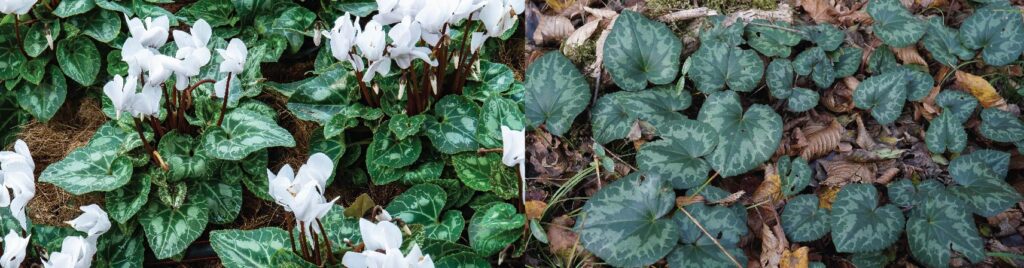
841	172
535	209
552	29
839	99
770	190
580	36
931	3
603	13
887	175
360	206
981	89
687	200
819	10
851	82
928	107
561	239
909	55
856	17
559	5
1008	221
771	248
795	259
729	200
827	196
864	139
815	144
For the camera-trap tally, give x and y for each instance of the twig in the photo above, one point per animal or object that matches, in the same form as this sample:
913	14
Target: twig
156	156
224	105
713	239
706	182
688	14
489	150
327	240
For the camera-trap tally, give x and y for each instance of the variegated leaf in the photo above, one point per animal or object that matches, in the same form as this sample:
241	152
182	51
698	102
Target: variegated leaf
815	63
780	78
404	126
794	174
123	202
73	7
249	248
939	224
420	204
960	104
90	168
555	93
494	80
610	119
731	35
826	36
118	249
659	106
387	150
639	50
1001	126
846	60
319	98
496	112
448	227
695	249
718	66
886	93
454	129
43	100
882	60
905	193
772	41
225	200
79	59
625	223
185	156
997	30
494	228
170	230
980	178
802	99
859	225
945	133
242	133
747	139
803	220
944	44
676	158
893	24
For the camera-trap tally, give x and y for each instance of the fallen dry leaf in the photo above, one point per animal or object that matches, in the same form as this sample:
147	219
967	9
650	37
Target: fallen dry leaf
558	5
770	190
729	200
771	248
909	55
795	259
687	200
819	10
535	209
820	141
887	175
838	99
561	239
827	196
580	36
688	14
864	139
841	172
552	29
981	89
603	13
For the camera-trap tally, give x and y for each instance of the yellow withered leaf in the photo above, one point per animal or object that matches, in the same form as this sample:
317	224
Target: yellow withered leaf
981	89
794	259
535	209
770	189
826	197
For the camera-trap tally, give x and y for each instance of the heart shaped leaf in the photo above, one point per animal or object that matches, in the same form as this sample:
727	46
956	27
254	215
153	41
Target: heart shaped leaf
676	158
94	167
803	220
895	25
859	224
1001	126
846	60
944	43
44	99
882	60
249	248
659	106
125	201
319	98
905	193
225	200
610	119
695	249
802	99
772	41
747	139
939	224
495	228
625	222
79	59
779	78
717	66
404	126
981	182
555	93
242	133
885	94
946	133
170	230
997	30
639	50
795	174
960	104
826	36
387	150
185	156
420	204
454	129
497	112
486	173
814	62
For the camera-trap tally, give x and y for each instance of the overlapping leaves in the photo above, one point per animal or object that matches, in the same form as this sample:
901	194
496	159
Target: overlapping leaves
747	139
625	223
859	224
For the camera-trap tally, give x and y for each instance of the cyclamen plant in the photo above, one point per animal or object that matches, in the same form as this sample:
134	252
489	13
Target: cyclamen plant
302	194
420	30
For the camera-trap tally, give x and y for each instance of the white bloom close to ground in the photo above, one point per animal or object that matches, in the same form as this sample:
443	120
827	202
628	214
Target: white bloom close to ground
152	33
121	93
303	193
404	37
372	43
514	153
147	103
17	7
393	11
75	252
14	250
234	56
94	222
17	173
343	38
136	56
433	19
382	242
192	51
309	205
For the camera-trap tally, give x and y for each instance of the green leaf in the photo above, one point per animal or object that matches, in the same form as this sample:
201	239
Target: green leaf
960	104
980	178
360	8
420	204
696	249
659	106
249	248
802	99
870	259
102	25
454	130
386	150
731	35
73	7
255	179
626	223
905	193
997	31
676	158
747	139
944	44
320	98
475	170
185	156
494	78
814	62
859	224
772	41
795	174
242	133
50	238
122	203
497	112
404	126
448	227
555	94
340	228
882	60
43	100
945	133
717	66
639	50
939	224
610	119
224	200
114	5
780	78
803	220
35	38
495	228
79	59
216	12
826	36
846	60
35	69
896	26
170	230
885	94
1001	126
121	250
89	169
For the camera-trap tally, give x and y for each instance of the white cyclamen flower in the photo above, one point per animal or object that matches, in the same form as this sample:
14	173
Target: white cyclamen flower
392	11
136	56
309	206
152	34
465	8
14	250
514	153
17	7
382	241
434	17
477	41
416	259
234	56
121	93
147	103
380	235
159	68
221	85
17	173
75	252
281	186
404	37
383	216
372	42
93	222
497	17
302	193
192	51
343	38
